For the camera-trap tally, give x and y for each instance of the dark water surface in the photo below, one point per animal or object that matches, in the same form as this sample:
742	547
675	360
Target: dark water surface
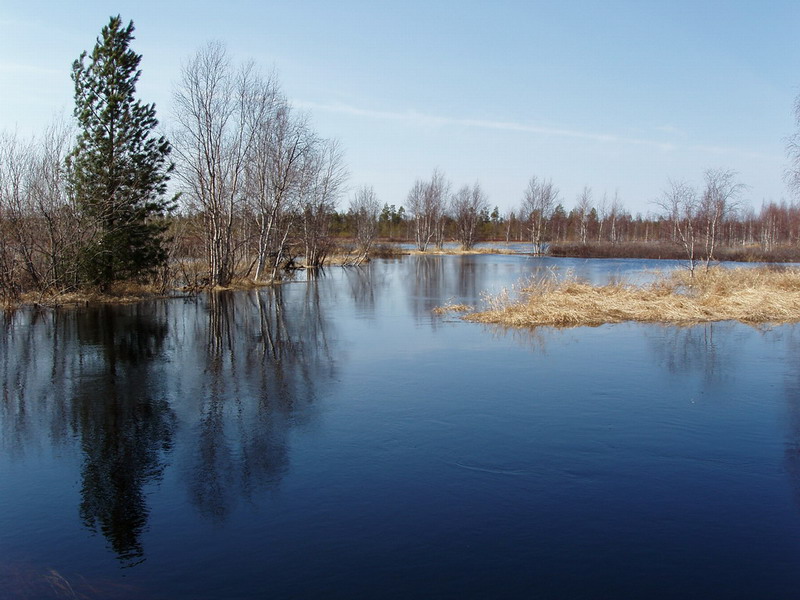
334	438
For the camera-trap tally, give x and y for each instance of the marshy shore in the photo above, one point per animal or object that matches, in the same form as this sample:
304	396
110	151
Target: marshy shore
750	295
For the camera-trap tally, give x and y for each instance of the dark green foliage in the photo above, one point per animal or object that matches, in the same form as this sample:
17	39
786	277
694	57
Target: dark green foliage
118	170
390	221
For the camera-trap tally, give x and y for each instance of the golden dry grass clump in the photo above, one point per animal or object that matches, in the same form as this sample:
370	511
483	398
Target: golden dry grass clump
119	292
448	308
750	295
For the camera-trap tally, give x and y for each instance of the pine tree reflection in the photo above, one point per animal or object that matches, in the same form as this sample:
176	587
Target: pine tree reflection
124	430
89	373
266	358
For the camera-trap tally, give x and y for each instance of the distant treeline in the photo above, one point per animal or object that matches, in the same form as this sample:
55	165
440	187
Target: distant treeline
774	225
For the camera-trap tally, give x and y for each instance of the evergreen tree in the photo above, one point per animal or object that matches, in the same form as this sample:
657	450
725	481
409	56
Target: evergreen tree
118	170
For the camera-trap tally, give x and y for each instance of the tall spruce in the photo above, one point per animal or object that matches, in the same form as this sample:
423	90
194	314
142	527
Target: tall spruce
118	170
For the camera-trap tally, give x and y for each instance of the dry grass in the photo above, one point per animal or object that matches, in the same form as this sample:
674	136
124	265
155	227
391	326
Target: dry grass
757	295
451	307
123	292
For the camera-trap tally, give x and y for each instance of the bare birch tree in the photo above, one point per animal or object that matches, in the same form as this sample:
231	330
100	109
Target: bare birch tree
583	209
509	220
537	206
614	212
365	211
792	174
681	206
602	215
437	194
327	175
466	207
422	222
212	144
426	204
719	201
279	159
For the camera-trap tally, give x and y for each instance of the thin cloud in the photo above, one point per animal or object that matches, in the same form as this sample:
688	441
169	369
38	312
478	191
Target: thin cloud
427	120
723	150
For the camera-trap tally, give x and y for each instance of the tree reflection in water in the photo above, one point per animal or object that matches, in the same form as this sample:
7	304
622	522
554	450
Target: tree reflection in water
366	283
236	370
125	430
792	390
263	366
427	281
694	349
89	372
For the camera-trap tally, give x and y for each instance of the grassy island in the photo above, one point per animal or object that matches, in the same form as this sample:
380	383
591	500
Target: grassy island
749	295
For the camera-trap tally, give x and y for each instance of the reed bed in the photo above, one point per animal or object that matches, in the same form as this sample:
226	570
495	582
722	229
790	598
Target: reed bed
749	295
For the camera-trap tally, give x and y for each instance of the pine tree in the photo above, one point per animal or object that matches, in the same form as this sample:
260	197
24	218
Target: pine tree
118	170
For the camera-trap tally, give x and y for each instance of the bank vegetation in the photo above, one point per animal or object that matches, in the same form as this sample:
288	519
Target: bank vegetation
750	295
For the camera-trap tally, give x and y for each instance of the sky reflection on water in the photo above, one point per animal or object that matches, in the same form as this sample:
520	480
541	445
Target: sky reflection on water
334	437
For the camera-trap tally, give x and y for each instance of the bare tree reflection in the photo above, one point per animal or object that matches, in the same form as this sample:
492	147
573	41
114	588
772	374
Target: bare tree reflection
266	358
467	278
694	349
532	339
427	285
365	282
27	406
240	370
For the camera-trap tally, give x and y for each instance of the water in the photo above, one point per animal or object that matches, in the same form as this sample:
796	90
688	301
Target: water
334	438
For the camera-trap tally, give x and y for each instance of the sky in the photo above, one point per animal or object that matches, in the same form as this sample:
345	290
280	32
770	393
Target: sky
619	96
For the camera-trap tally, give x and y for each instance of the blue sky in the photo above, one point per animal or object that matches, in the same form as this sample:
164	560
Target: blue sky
618	96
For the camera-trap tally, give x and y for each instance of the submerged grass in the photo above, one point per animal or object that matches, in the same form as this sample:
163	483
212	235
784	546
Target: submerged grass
750	295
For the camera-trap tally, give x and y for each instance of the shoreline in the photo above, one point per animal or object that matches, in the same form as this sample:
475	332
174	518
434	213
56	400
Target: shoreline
130	292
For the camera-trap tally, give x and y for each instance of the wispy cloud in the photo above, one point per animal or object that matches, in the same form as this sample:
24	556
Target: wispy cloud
419	119
726	151
427	120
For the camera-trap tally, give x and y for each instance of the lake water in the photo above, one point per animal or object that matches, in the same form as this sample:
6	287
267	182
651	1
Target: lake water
333	438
